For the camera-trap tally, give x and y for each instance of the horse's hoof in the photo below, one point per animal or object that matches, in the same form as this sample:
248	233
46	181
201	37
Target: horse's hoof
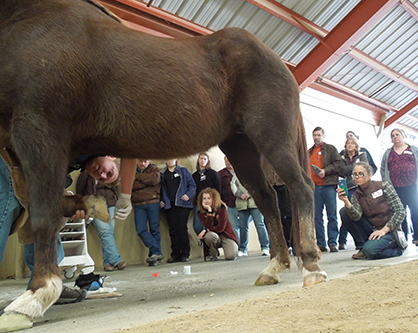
10	322
312	278
97	208
266	280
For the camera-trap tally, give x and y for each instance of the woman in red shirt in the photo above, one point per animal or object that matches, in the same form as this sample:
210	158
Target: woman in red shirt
218	230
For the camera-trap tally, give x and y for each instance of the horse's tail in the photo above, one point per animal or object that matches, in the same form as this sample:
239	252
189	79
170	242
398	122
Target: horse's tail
302	152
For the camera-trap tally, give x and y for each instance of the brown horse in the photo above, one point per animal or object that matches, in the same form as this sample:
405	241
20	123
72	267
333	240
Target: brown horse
74	80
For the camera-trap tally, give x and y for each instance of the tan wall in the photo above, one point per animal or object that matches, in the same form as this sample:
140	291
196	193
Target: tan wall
130	245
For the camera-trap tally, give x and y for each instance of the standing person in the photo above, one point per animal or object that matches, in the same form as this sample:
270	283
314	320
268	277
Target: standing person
177	191
283	200
351	134
373	216
225	176
328	163
399	167
204	177
87	185
350	156
218	230
146	200
246	210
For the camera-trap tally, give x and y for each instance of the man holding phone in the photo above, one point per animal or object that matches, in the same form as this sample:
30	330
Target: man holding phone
325	165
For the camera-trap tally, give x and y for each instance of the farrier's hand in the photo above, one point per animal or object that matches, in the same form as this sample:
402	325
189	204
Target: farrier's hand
79	215
123	206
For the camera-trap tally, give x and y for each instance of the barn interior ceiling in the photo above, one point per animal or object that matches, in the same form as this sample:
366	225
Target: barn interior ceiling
361	51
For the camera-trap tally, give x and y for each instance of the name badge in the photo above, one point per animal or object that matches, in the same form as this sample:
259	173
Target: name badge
202	178
377	194
176	175
319	153
407	152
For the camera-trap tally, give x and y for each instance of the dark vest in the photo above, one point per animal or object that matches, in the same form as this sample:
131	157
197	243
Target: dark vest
376	210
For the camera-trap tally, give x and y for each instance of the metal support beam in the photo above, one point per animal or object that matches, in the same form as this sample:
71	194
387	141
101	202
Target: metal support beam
338	41
383	69
402	112
152	19
410	8
291	17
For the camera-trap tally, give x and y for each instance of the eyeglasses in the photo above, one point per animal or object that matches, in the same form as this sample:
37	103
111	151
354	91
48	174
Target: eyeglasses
358	175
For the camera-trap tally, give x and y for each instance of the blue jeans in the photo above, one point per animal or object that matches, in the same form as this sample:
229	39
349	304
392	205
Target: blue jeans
234	219
385	247
244	221
151	238
326	196
106	233
29	255
10	207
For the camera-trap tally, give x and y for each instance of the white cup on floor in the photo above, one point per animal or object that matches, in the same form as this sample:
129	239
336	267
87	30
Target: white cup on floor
187	270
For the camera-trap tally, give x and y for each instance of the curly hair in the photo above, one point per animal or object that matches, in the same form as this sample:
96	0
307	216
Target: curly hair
197	162
216	199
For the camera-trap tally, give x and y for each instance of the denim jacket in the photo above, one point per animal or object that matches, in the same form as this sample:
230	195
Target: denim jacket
187	186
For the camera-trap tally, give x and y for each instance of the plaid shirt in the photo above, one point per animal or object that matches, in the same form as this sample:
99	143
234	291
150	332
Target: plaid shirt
392	199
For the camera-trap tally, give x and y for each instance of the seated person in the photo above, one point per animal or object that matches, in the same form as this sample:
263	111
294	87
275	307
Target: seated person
373	216
218	231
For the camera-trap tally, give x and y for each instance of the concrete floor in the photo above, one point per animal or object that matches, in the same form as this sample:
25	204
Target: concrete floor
146	298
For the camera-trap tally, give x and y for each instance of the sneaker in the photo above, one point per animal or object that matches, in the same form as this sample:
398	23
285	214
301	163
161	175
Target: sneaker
265	253
359	255
121	265
242	254
323	249
415	242
333	248
342	246
70	295
154	258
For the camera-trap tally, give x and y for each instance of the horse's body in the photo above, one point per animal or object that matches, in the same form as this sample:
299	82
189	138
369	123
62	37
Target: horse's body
74	80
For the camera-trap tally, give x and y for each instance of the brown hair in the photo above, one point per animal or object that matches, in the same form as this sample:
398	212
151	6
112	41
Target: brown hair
216	199
354	141
207	166
400	131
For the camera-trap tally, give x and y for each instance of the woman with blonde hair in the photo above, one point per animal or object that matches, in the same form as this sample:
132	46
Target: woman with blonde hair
399	167
218	230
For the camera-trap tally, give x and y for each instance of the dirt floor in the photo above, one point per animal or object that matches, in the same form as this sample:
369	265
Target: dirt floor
373	300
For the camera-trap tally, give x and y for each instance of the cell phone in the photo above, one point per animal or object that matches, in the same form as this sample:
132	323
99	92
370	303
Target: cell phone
342	184
316	169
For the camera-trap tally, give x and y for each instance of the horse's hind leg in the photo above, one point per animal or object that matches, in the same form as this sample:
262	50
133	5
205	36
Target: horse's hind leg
286	159
44	157
246	161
